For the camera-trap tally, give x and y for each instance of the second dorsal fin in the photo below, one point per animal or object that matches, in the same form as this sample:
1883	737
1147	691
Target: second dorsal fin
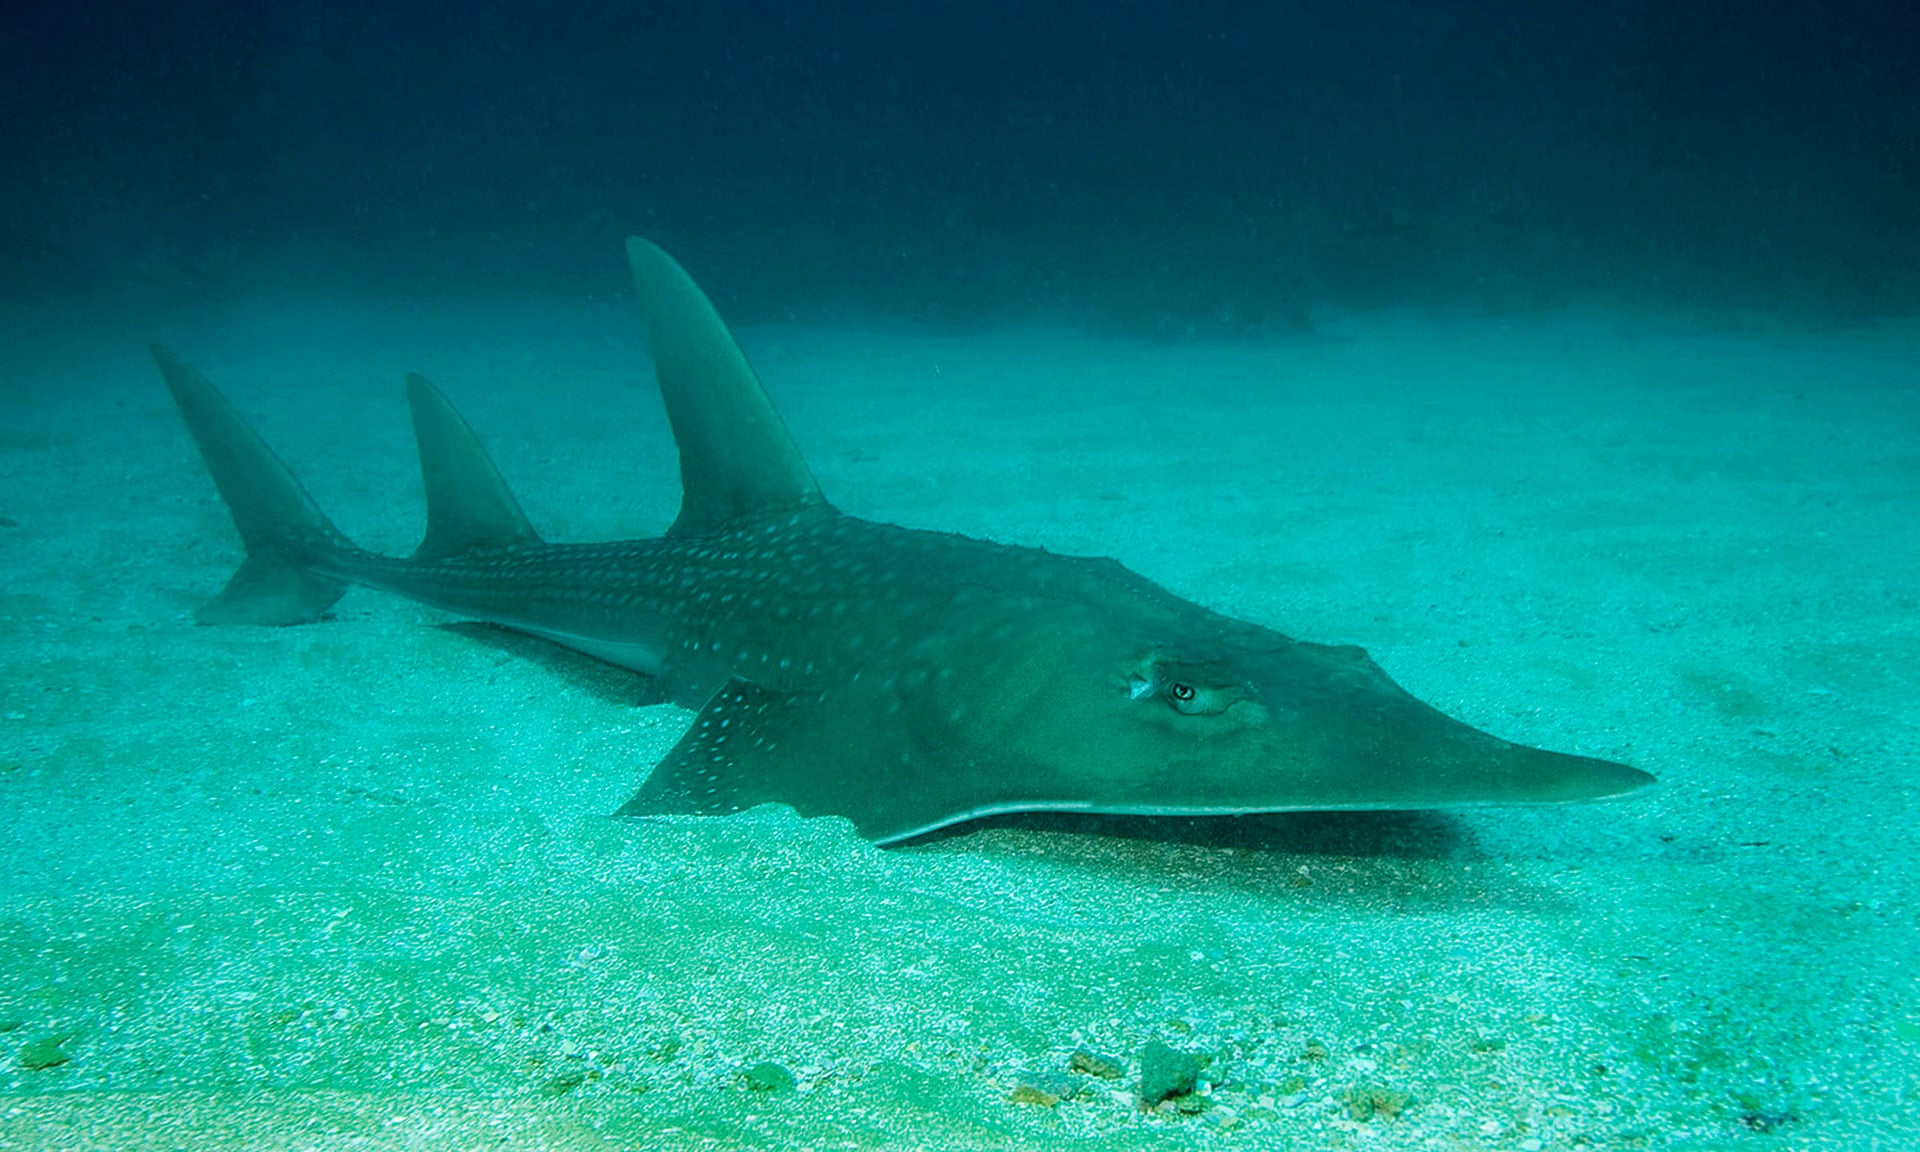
468	503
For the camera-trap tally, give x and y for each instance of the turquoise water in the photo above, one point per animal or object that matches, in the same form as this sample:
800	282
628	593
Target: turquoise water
355	881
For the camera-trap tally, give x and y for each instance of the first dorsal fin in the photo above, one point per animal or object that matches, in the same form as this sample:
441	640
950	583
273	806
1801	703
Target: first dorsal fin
468	504
736	458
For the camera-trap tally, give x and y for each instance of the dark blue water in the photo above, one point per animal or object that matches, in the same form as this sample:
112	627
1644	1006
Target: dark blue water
1212	166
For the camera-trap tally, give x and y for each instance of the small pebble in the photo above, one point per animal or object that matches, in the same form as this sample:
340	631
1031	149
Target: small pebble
1090	1064
1373	1102
43	1054
562	1084
1166	1073
768	1077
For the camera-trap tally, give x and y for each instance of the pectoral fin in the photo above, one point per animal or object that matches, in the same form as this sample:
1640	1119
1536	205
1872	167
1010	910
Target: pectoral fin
843	753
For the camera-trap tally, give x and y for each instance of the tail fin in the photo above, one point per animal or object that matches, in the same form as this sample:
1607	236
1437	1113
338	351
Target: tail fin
285	533
468	504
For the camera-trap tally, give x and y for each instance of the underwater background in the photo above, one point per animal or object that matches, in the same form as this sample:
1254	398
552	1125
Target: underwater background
1564	356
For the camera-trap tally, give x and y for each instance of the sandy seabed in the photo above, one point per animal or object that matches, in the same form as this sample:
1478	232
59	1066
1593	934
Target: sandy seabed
352	885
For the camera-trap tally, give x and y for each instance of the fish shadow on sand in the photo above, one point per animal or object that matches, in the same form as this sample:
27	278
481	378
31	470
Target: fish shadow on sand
609	683
1410	835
